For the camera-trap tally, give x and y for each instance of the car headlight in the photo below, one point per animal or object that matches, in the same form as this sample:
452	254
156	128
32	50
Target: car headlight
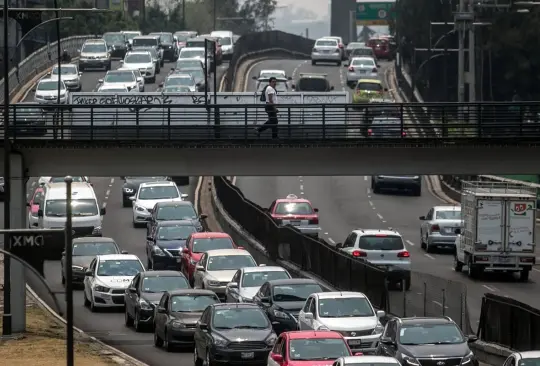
220	341
128	190
281	314
213	283
145	305
157	251
411	360
101	289
97	230
177	324
192	262
140	209
378	329
322	327
271	340
77	268
468	358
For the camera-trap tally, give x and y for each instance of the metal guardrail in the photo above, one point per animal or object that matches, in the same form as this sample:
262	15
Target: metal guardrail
39	61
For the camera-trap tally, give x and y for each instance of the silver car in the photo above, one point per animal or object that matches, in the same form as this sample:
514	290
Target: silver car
120	78
361	68
438	227
94	54
383	248
46	92
247	281
181	80
70	76
326	50
386	127
142	62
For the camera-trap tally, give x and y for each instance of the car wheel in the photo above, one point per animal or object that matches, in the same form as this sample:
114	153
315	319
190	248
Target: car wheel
128	320
429	249
313	62
168	346
93	307
376	189
63	280
158	342
86	301
458	266
209	361
137	322
126	203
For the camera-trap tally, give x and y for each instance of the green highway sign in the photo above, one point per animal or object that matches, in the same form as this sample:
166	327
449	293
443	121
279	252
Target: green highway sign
375	12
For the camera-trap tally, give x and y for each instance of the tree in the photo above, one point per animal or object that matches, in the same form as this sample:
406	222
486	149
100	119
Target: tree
259	11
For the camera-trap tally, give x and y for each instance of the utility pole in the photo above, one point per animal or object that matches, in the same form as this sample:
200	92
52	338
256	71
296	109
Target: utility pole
462	22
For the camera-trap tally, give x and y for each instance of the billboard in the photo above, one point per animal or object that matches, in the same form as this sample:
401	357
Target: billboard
378	13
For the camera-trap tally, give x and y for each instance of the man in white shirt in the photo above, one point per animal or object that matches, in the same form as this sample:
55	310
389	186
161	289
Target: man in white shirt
270	97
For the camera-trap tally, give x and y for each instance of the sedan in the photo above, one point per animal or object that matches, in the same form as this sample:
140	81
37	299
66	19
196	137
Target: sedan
155	56
165	244
198	75
28	120
361	68
120	78
188	63
46	92
173	211
247	281
70	76
438	227
131	186
181	80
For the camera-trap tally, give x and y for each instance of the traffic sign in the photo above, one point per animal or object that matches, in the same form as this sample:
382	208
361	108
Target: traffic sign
375	12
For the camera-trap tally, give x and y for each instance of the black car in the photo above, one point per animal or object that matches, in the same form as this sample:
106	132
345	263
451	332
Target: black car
2	193
117	43
174	211
168	44
177	315
282	300
28	120
165	243
312	83
414	341
144	293
131	185
233	333
83	251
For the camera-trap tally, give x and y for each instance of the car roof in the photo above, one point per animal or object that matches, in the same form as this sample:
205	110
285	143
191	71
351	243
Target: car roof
115	257
373	81
216	252
264	268
235	305
179	76
163	273
210	235
320	334
426	320
369	359
174	203
190	58
361	58
362	232
191	291
95	40
193	49
175	223
336	294
308	75
157	184
292	198
93	239
272	71
139	51
292	281
53	188
529	354
146	37
447	208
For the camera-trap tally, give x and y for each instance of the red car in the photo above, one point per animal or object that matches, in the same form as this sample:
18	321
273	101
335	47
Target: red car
197	244
297	212
34	205
381	47
309	348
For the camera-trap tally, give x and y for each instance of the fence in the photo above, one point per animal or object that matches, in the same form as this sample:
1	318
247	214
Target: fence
39	61
509	323
428	295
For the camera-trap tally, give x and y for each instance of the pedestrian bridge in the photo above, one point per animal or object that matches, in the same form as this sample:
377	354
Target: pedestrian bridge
128	135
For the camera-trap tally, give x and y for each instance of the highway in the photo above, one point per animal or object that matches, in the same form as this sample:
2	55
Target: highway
347	203
107	325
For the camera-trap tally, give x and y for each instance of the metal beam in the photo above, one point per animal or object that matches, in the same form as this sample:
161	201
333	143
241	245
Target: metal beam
452	23
437	49
47	10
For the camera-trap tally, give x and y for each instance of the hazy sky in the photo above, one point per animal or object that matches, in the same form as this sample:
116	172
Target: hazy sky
317	6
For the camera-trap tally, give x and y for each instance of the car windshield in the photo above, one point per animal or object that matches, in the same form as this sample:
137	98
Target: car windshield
225	41
92	249
114	38
131	35
197	74
191	44
180	64
281	85
180	232
270	74
62	179
149	179
205	244
317	349
312	84
529	362
155	284
176	89
354	45
122	267
79	208
257	279
182	37
145	42
65	70
178	81
166	38
364	51
295	292
250	318
191	53
293	208
50	85
176	212
28	111
229	262
158	193
369	86
326	43
367	62
448	215
120	77
343	307
380	242
192	303
113	90
386	121
417	334
94	48
138	58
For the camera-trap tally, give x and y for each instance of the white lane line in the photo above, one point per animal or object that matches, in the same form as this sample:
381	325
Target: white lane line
438	303
369	191
429	256
112	182
325	233
536	270
381	217
301	193
490	288
371	203
410	243
365	178
301	187
33	183
104	204
197	190
107	194
331	240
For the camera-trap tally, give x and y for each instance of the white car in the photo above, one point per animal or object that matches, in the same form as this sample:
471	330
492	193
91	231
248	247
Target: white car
183	63
141	61
226	40
326	50
107	278
349	313
180	80
366	360
139	77
115	89
266	74
45	180
46	92
70	76
340	45
361	68
148	195
119	79
132	34
193	52
247	281
217	267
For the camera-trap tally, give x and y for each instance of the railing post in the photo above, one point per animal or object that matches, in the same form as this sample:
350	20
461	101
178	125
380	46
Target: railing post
137	122
217	122
169	123
289	121
444	121
324	121
91	124
402	122
246	123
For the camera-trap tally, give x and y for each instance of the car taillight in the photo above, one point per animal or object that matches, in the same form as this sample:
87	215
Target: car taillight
239	247
314	220
369	132
435	228
374	70
359	253
404	134
404	254
351	68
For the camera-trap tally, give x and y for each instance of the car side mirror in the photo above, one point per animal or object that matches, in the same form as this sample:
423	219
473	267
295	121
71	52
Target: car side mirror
315	210
100	81
89	273
378	65
277	358
198	84
203	216
422	218
28	204
203	326
387	340
254	77
184	195
161	310
232	285
102	211
308	316
185	250
140	79
132	198
121	61
132	290
339	245
457	231
380	313
265	300
40	213
160	85
289	78
385	89
345	65
124	252
33	90
80	73
172	68
472	338
199	268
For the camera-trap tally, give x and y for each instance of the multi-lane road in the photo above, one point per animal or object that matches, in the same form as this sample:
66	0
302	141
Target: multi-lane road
347	203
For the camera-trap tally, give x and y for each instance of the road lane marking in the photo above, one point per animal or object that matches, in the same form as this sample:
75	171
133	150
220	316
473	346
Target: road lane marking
371	203
301	187
365	178
536	270
325	233
490	288
197	192
438	303
104	204
429	256
107	193
331	240
410	243
381	217
112	182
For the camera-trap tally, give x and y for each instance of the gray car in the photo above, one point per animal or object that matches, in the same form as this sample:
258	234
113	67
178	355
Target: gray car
94	54
155	56
326	50
198	74
438	227
386	127
361	68
149	41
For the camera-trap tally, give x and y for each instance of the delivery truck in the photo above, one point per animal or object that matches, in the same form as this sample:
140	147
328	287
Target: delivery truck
497	234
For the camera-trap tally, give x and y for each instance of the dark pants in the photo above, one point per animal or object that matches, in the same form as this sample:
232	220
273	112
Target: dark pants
272	121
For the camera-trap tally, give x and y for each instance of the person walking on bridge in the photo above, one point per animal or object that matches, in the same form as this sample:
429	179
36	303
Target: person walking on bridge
269	96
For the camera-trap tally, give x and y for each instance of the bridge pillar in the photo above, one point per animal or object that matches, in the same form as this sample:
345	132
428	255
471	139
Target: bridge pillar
18	220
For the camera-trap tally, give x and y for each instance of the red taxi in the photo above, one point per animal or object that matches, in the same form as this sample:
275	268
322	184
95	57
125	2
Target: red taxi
381	47
308	348
197	244
297	212
34	205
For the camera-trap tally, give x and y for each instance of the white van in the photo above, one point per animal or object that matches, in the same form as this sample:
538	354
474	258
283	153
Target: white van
227	43
85	209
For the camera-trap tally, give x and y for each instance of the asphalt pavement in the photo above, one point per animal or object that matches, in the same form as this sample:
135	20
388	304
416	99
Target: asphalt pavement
108	325
347	203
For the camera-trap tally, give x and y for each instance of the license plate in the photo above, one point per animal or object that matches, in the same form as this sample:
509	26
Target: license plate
247	355
504	259
295	223
355	342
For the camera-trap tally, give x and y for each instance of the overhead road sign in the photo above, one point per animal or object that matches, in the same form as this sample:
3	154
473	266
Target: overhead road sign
375	12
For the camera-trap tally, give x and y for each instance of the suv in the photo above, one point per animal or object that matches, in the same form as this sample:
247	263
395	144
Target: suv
148	41
403	182
382	248
413	341
313	83
168	45
94	54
